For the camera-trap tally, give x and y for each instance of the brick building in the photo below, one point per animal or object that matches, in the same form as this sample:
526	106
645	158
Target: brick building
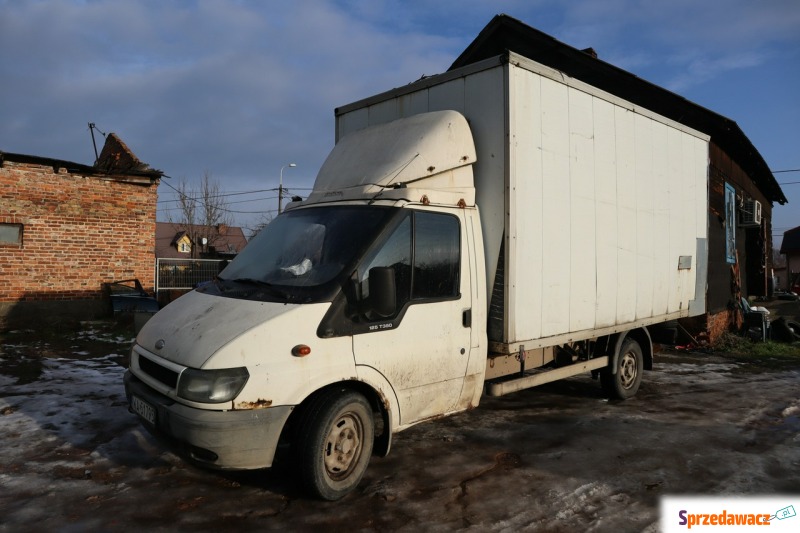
66	228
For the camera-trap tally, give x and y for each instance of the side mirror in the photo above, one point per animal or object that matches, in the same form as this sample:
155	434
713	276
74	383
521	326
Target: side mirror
382	291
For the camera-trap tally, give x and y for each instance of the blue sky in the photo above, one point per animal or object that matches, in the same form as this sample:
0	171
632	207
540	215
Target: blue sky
238	89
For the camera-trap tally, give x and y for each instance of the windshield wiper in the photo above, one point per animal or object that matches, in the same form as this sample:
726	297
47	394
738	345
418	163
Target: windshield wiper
249	281
259	284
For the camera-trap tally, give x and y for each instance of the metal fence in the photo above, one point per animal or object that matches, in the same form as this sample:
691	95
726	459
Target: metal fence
185	274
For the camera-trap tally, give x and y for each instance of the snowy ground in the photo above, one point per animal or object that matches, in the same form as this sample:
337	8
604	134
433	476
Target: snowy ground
556	458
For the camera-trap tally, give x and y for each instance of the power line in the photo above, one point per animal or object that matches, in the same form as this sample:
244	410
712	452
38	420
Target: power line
216	196
172	209
253	200
182	196
225	195
175	201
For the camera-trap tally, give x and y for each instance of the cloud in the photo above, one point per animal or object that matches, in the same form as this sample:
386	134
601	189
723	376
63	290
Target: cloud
240	88
682	43
223	74
701	69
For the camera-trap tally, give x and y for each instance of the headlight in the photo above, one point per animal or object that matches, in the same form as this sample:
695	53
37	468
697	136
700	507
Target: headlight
211	386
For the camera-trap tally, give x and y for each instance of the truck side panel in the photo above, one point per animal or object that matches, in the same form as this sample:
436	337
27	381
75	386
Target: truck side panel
646	243
626	215
613	232
583	224
527	123
554	108
605	144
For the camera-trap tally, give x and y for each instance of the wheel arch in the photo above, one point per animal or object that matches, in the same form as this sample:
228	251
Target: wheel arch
380	408
641	336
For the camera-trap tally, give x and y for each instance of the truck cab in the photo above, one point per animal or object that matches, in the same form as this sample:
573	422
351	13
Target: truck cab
349	317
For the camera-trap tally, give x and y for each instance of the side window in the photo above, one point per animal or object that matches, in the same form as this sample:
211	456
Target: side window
437	246
395	253
423	252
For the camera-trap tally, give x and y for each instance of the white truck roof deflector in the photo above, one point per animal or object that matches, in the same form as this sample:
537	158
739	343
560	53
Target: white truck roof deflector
429	154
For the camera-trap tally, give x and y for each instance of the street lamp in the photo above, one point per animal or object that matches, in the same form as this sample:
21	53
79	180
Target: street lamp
280	186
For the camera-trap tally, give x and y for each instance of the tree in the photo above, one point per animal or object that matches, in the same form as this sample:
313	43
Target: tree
204	213
262	223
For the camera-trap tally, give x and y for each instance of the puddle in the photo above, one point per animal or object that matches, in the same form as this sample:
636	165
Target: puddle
22	352
24	369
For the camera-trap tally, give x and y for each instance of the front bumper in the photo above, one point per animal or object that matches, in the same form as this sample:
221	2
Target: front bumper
229	440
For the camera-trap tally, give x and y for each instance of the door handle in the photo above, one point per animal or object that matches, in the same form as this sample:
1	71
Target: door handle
466	318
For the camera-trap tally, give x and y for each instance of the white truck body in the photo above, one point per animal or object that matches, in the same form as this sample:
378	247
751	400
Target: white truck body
485	230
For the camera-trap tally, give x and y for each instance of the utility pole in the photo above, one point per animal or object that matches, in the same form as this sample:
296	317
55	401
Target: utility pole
280	187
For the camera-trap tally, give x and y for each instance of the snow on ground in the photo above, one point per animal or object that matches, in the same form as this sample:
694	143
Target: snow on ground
557	458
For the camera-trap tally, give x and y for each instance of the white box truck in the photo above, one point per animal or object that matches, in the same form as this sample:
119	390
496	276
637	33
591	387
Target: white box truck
477	232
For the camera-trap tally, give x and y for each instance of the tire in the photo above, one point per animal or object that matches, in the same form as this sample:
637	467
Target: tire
336	436
783	330
630	364
794	328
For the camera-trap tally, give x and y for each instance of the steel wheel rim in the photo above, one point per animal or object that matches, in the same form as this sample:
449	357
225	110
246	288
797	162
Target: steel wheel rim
343	446
627	370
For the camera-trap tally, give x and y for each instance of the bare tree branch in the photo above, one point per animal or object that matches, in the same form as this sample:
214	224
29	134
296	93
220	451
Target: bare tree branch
204	214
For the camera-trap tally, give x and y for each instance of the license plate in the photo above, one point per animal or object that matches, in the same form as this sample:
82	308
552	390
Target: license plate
143	409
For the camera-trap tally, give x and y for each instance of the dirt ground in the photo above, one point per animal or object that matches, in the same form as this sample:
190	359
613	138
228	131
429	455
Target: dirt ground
556	458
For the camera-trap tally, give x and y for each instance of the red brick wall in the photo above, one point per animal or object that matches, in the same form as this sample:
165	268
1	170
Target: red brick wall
79	231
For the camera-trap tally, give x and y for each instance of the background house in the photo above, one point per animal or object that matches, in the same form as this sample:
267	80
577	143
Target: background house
790	247
742	189
189	254
66	228
194	241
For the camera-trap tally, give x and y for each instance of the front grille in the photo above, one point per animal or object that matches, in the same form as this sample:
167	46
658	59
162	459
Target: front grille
154	370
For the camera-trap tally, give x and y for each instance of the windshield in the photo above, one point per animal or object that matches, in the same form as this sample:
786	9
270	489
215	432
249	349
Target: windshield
301	254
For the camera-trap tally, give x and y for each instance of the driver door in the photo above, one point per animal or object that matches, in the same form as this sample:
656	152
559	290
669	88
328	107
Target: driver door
422	349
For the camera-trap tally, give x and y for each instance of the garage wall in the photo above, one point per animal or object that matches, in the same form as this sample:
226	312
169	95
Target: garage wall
77	231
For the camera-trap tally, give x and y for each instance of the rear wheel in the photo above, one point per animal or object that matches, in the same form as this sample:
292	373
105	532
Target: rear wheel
335	443
630	364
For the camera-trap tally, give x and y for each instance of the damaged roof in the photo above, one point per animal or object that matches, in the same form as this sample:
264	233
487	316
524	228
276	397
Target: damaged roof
116	160
504	33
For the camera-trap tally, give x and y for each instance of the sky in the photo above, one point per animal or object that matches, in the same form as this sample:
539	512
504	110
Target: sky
237	90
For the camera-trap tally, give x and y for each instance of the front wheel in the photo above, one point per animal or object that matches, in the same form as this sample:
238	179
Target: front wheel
630	364
336	438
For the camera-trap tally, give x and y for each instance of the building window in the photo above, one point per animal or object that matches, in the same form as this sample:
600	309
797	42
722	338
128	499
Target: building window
730	224
184	247
10	234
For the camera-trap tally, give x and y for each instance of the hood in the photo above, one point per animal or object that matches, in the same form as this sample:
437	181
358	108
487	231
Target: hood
196	326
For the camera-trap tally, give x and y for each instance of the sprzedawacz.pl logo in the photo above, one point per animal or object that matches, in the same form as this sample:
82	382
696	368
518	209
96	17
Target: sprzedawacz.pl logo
722	519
